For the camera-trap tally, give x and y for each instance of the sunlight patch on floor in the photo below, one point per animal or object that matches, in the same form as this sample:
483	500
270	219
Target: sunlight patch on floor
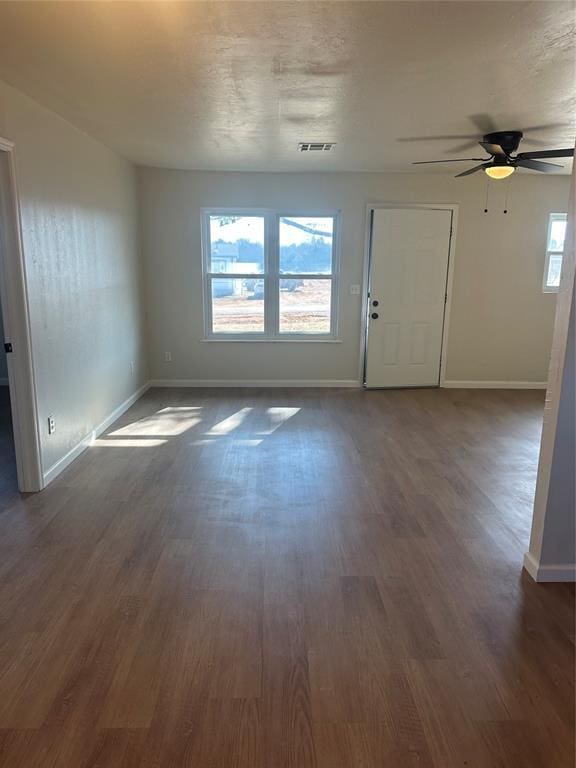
230	424
167	422
277	417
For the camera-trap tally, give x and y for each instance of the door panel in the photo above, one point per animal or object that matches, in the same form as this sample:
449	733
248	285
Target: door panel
408	274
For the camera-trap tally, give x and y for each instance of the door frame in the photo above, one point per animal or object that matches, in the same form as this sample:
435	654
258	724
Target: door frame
370	208
17	330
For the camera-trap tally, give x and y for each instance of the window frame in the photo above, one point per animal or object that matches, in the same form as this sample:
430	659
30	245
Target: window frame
546	288
271	275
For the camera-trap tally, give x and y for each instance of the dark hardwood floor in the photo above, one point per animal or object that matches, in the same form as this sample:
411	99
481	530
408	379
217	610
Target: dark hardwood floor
288	579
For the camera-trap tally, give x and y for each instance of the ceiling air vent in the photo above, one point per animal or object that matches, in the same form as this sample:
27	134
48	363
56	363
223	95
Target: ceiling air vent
316	146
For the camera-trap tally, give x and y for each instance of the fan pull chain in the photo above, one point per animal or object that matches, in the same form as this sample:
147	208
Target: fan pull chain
486	200
507	193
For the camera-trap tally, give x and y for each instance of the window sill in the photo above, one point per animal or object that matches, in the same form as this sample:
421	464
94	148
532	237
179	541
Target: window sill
292	340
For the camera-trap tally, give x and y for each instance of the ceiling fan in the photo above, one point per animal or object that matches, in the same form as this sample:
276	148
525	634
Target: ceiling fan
500	146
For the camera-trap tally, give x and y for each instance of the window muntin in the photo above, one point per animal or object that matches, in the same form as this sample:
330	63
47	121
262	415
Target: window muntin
554	251
281	275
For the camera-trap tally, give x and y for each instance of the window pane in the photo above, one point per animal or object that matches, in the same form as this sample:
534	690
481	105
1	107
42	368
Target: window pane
236	244
557	234
237	305
554	269
305	306
306	244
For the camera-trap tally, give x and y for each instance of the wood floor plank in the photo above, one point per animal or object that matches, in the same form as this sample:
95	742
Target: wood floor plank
287	578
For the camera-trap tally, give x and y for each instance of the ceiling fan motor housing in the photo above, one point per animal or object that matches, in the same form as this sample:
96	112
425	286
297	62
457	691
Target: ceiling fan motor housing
508	140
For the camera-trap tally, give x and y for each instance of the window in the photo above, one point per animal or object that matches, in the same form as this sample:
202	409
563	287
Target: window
270	275
554	251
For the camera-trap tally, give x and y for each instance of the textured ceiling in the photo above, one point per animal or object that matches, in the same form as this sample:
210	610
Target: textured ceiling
236	85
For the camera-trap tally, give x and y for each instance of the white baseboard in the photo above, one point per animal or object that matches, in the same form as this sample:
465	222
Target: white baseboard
494	384
73	453
549	573
260	383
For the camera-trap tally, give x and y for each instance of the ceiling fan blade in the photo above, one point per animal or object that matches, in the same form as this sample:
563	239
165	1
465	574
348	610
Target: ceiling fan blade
473	170
545	153
536	165
455	160
492	149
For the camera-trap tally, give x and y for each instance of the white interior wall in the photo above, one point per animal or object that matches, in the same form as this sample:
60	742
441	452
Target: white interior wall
80	241
501	322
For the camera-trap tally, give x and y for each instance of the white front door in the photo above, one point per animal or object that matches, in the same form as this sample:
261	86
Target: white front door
408	277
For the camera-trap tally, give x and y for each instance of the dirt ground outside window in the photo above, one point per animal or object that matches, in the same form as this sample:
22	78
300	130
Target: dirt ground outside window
304	308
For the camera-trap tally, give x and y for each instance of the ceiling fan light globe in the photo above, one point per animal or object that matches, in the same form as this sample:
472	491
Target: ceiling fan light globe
499	171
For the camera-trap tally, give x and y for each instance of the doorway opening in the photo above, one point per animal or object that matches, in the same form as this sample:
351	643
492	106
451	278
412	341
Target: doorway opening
8	474
19	428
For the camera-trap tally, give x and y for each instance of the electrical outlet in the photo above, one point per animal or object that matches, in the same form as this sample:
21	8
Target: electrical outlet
132	367
167	357
355	290
51	425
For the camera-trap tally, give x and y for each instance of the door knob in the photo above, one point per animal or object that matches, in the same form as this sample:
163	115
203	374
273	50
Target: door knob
374	315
